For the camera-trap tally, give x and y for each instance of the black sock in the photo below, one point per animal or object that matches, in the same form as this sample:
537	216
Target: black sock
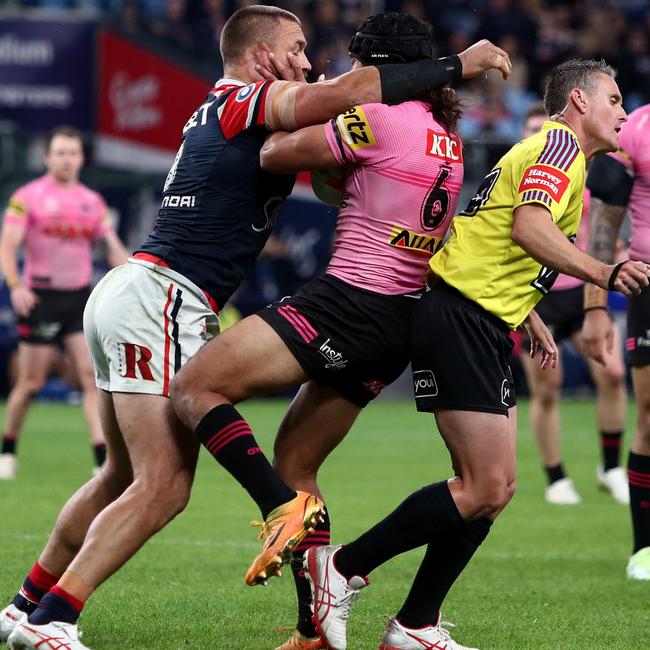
228	437
446	557
426	513
53	607
320	537
554	473
9	443
610	442
99	452
24	604
638	474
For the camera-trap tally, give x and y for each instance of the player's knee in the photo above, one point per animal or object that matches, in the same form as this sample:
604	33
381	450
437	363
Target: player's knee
492	496
181	394
166	495
32	385
547	394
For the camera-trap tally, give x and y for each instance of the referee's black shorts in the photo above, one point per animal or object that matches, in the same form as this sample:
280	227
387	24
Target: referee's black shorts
355	341
562	312
57	314
460	355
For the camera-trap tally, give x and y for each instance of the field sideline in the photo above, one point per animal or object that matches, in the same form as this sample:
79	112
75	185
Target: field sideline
548	577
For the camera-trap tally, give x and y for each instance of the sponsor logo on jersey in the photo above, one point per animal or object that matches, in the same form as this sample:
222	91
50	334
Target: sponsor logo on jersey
66	230
177	201
403	238
424	384
356	129
546	179
444	146
505	392
17	208
334	359
245	93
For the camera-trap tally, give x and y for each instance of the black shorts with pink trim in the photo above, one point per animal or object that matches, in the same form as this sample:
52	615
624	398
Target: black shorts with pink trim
638	330
354	340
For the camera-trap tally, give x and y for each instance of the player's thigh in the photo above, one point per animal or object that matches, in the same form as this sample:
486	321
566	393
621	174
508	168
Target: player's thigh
542	382
155	441
247	359
34	360
317	420
77	348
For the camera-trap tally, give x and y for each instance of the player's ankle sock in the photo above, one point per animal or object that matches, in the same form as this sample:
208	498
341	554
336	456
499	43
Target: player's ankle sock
56	605
99	453
228	437
638	474
320	537
446	557
427	512
9	442
554	472
36	584
610	442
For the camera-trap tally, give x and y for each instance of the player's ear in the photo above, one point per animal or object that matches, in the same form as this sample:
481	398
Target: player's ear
578	99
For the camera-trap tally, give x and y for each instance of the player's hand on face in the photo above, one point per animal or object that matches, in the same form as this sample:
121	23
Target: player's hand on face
541	341
482	56
23	300
630	277
597	335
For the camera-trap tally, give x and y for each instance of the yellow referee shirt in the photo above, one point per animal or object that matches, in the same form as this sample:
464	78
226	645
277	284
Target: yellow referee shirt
480	259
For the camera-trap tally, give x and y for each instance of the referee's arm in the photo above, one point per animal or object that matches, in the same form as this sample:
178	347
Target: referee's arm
534	230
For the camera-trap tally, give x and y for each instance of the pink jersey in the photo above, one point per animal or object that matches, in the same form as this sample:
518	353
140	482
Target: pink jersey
60	225
634	153
403	178
563	281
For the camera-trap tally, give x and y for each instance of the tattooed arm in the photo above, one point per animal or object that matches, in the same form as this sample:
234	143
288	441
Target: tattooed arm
598	330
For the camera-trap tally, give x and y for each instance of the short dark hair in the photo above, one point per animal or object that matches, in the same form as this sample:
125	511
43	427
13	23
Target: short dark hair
575	73
67	131
249	25
535	110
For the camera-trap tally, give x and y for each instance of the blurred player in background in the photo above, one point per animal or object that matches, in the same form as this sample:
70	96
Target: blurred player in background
344	335
145	319
561	311
498	262
57	220
618	181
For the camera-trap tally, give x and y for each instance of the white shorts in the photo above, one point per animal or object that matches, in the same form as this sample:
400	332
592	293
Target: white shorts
142	324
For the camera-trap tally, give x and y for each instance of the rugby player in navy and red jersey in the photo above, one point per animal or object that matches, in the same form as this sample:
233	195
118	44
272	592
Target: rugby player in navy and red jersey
148	317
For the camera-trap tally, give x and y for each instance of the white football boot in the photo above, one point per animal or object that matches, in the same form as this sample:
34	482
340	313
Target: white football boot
562	493
10	616
638	566
8	467
332	595
615	482
398	637
51	636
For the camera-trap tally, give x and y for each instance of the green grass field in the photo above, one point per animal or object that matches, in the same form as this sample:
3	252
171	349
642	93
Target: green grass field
547	577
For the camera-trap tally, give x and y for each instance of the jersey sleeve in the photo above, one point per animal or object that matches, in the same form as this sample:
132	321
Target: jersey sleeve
244	108
17	212
549	177
360	136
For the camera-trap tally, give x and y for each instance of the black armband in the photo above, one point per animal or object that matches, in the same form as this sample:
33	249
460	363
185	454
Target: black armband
403	81
610	181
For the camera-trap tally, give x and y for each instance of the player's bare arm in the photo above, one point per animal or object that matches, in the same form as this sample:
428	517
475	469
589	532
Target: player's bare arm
22	297
534	230
113	249
291	105
288	153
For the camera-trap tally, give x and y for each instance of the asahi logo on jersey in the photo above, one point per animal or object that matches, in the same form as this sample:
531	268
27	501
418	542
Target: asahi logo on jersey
424	384
444	146
355	128
403	238
547	179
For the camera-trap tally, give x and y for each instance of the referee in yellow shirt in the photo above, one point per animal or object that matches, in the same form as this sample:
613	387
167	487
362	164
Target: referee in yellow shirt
503	255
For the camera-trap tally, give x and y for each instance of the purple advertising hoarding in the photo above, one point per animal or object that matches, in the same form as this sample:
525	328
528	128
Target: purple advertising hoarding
47	73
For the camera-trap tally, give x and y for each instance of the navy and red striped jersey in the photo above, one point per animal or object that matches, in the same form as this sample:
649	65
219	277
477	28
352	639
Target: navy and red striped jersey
219	206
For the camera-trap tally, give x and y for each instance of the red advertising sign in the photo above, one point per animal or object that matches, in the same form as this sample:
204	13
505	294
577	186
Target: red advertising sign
144	102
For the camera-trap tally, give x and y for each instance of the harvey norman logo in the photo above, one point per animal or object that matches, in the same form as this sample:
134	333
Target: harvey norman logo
547	179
